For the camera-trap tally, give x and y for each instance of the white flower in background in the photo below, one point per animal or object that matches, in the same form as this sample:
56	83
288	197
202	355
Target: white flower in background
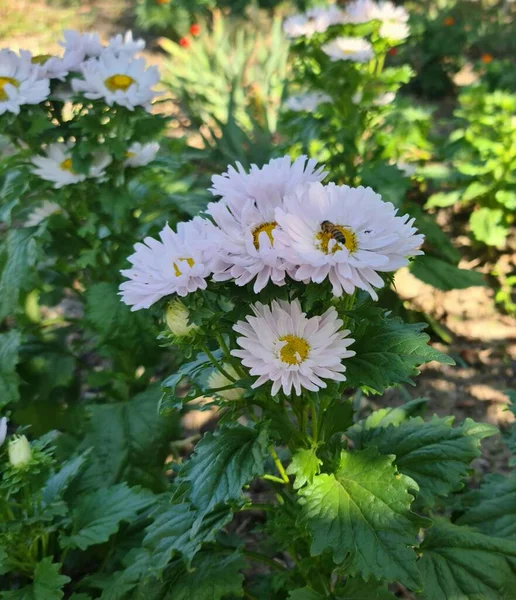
125	44
315	20
393	18
281	344
177	319
3	429
57	167
118	79
306	102
19	82
218	380
19	451
139	155
246	219
178	264
52	67
41	213
81	45
349	48
345	234
406	168
381	100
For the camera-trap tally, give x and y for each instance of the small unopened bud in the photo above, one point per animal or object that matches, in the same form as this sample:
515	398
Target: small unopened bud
19	451
177	319
217	380
3	430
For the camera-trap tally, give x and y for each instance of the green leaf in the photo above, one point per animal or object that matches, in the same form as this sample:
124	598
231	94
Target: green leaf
48	582
179	529
9	380
362	514
434	454
493	507
444	276
18	258
337	418
393	415
475	190
223	462
358	589
129	442
306	594
305	466
488	226
436	240
442	199
388	352
459	564
120	583
213	576
507	198
98	515
57	484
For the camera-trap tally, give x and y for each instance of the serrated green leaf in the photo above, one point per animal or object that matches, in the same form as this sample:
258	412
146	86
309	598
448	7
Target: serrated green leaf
458	563
48	583
337	418
362	514
358	589
433	453
99	514
488	226
444	276
223	462
393	415
57	484
388	352
442	199
137	571
492	507
304	466
9	380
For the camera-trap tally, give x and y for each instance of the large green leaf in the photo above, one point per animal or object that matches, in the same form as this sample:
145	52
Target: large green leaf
47	584
129	441
459	564
355	588
487	225
362	514
433	453
57	484
444	276
99	514
388	352
493	507
223	462
9	379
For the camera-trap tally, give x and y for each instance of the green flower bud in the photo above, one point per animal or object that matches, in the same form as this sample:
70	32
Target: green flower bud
19	451
218	380
177	319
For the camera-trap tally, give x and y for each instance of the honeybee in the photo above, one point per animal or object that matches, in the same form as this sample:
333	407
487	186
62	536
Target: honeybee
332	230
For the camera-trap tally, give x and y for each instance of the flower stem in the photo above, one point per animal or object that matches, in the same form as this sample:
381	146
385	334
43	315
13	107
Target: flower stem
216	363
257	557
315	424
278	464
225	349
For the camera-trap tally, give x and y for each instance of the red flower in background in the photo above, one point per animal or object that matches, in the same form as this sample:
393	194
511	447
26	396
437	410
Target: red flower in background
486	58
393	51
184	42
195	29
449	21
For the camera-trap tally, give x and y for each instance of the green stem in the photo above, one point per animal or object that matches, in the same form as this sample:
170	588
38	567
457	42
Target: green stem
273	478
216	363
257	557
278	464
225	349
315	425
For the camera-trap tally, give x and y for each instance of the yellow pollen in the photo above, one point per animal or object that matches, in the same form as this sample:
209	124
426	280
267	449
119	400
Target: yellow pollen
118	82
190	262
268	228
4	81
130	154
66	165
295	351
40	59
350	240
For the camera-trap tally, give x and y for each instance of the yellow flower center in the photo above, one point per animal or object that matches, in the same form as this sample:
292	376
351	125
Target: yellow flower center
177	271
342	237
4	81
130	154
66	165
268	228
295	350
40	59
118	82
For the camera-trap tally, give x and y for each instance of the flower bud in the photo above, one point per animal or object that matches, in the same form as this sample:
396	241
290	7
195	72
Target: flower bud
177	319
218	380
3	430
19	451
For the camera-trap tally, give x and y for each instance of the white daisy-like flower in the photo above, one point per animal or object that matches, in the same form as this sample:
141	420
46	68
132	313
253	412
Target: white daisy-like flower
19	82
139	155
41	213
118	79
56	166
246	219
178	264
315	20
393	18
345	234
125	44
81	45
3	429
349	48
281	344
308	102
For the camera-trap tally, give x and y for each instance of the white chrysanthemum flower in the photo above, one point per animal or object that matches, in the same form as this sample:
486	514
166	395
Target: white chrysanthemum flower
246	219
281	344
177	316
393	18
41	213
139	155
125	44
81	45
178	264
349	48
53	67
345	234
316	20
3	429
20	82
306	102
57	167
218	380
118	79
